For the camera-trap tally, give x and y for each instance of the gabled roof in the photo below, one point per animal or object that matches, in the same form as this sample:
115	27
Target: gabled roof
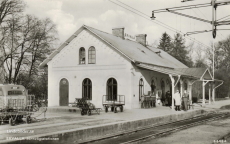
134	51
202	73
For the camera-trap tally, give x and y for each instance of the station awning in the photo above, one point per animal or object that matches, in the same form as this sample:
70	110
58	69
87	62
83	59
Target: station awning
195	73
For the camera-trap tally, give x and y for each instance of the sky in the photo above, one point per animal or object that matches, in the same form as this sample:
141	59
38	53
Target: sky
70	15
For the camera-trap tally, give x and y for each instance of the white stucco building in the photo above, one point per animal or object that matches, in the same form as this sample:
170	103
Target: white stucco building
92	63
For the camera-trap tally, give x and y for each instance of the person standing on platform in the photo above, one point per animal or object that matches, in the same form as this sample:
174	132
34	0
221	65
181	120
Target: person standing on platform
158	97
168	98
177	99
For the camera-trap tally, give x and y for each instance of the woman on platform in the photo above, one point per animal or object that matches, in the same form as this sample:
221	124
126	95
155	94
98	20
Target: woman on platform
177	99
158	98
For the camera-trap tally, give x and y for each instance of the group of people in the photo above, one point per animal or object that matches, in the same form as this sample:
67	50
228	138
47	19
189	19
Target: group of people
164	100
167	100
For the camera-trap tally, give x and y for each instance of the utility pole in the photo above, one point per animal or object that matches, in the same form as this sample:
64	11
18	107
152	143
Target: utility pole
214	23
214	4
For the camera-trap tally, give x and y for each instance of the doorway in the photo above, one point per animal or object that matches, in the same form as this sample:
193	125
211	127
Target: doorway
63	92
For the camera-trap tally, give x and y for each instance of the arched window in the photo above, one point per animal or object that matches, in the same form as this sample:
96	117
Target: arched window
92	55
141	88
112	89
152	86
87	89
82	56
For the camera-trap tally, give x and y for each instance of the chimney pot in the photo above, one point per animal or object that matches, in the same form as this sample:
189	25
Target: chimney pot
119	32
141	38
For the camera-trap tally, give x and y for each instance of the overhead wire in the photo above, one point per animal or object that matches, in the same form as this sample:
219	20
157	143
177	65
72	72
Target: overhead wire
161	23
164	25
223	17
206	18
157	22
177	31
227	19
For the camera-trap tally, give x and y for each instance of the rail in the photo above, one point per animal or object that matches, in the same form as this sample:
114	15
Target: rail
194	121
176	129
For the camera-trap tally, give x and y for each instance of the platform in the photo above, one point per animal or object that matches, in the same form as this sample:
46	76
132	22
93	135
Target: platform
72	127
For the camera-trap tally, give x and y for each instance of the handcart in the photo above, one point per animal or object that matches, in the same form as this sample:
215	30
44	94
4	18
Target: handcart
86	107
113	102
14	115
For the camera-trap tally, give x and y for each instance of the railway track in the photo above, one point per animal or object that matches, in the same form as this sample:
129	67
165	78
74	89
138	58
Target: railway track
139	135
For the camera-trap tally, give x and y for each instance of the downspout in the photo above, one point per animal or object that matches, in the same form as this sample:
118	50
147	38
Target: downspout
219	85
213	90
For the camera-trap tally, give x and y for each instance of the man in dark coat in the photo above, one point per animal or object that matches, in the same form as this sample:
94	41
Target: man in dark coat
169	98
185	100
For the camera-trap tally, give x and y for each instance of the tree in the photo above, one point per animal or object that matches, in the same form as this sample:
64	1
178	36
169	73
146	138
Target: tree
9	8
25	41
200	60
222	65
45	36
179	50
32	41
36	84
165	43
218	53
223	51
224	90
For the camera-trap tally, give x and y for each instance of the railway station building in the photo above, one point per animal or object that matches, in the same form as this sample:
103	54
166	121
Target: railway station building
93	63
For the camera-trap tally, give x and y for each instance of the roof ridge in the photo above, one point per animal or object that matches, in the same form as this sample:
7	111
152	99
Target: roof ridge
117	36
96	29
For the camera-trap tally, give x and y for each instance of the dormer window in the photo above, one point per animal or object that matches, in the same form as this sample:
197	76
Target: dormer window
92	55
82	56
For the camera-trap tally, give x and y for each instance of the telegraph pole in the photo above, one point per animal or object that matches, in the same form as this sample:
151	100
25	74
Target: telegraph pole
214	4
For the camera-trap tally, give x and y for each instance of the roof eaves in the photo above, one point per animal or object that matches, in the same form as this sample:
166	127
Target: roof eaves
186	74
158	70
153	64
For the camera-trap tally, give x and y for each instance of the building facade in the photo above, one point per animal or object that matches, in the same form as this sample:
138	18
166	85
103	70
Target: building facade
92	63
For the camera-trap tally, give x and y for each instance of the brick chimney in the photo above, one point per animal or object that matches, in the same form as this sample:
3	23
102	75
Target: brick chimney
119	32
141	38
